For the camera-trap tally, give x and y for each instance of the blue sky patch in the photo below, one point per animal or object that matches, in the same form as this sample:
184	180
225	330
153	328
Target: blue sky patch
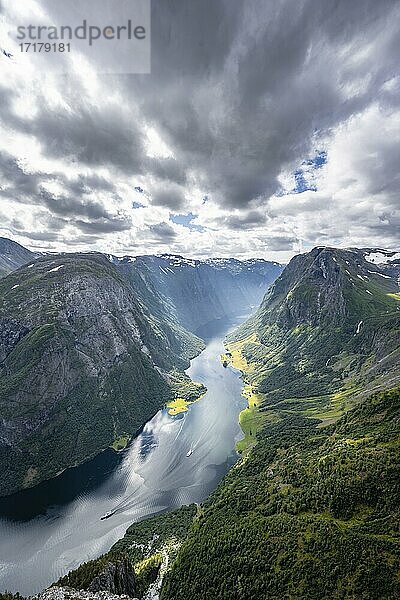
318	160
304	175
186	221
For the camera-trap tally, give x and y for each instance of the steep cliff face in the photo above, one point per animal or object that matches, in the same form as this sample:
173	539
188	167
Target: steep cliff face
106	578
310	292
138	562
328	286
66	593
197	292
81	362
86	340
13	255
331	315
117	577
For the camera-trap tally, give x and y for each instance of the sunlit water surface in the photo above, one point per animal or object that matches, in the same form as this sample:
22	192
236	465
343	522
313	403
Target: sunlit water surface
51	529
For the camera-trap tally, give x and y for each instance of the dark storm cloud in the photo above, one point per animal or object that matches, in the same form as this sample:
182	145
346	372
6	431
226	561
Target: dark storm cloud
73	207
380	168
92	135
165	168
388	229
46	227
87	132
170	196
249	220
26	187
88	215
104	225
162	232
280	243
41	236
15	181
23	186
86	183
239	91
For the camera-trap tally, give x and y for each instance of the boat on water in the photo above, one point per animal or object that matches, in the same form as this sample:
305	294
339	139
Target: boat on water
107	515
190	452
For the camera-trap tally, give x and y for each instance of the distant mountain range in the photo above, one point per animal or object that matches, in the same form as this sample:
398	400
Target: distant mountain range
91	346
200	291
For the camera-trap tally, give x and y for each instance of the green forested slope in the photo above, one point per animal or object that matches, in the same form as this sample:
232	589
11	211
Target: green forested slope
312	510
81	364
144	547
310	514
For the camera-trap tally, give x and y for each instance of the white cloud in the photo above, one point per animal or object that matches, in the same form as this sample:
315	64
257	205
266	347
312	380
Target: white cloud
233	121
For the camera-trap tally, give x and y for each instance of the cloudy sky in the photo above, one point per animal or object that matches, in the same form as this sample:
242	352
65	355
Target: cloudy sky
266	127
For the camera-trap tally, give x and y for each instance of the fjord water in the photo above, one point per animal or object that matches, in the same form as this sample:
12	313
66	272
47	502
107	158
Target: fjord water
51	529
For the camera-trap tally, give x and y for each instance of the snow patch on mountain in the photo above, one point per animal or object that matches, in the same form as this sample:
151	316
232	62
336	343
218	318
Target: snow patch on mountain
382	257
380	274
55	269
358	327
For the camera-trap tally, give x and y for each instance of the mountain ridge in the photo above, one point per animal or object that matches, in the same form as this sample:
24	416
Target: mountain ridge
201	291
13	256
337	305
79	331
311	510
82	363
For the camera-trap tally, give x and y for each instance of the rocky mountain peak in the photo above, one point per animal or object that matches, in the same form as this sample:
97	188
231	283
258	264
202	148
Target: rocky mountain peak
13	255
329	286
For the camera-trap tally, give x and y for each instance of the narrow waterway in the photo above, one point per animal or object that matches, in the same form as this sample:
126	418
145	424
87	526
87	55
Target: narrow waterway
51	529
